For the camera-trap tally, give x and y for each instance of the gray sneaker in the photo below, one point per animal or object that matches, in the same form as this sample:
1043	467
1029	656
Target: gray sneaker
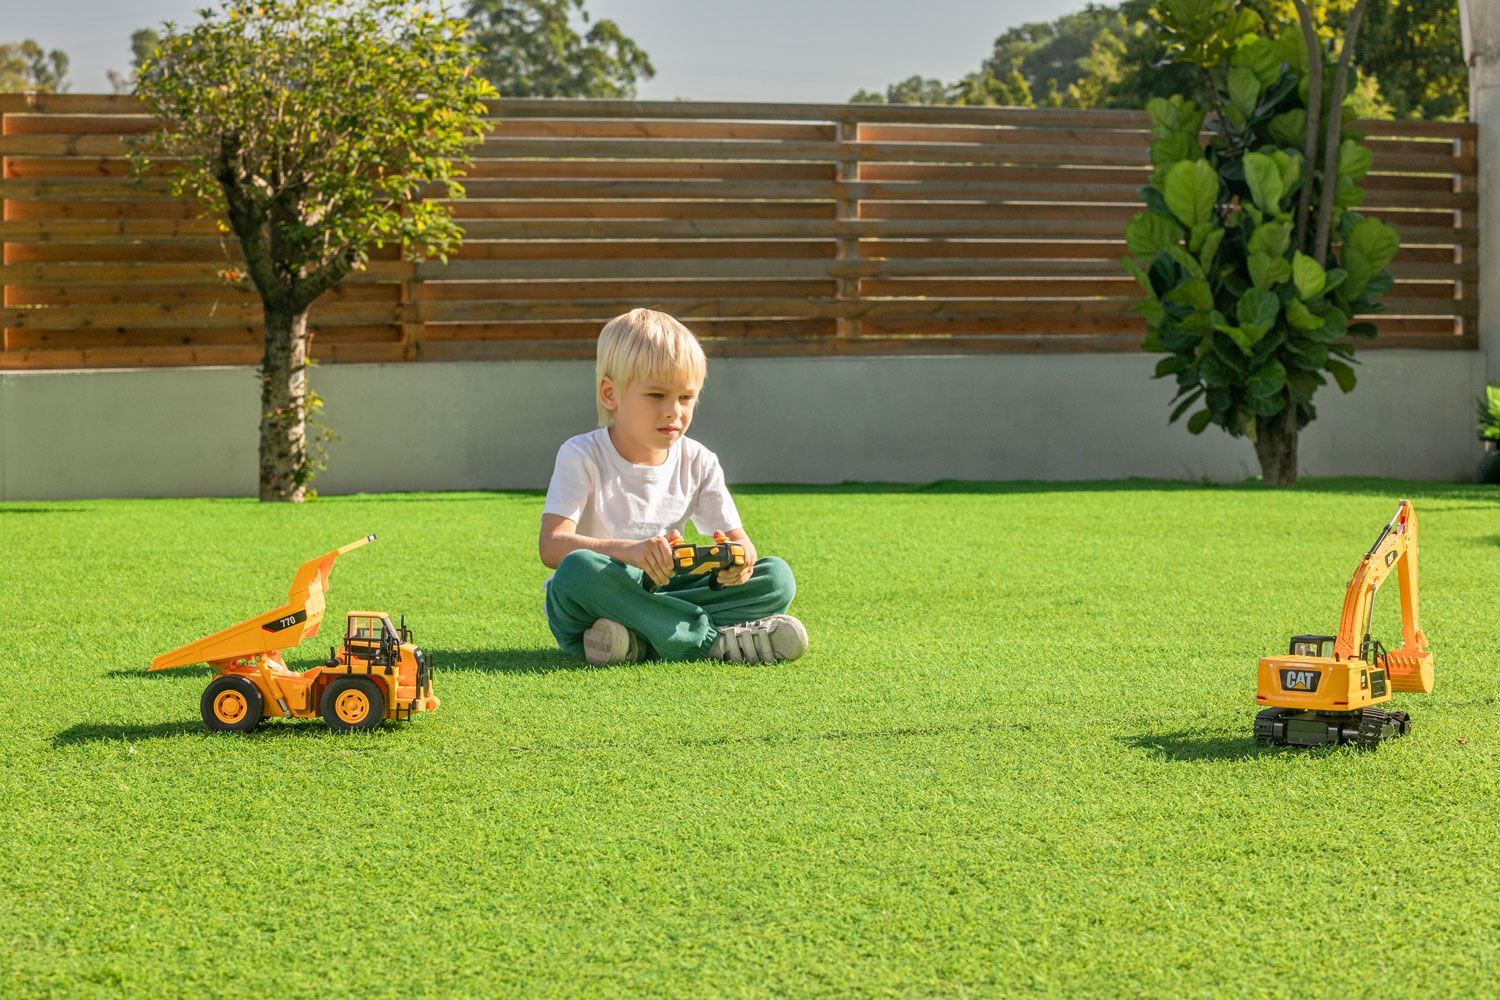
607	641
765	640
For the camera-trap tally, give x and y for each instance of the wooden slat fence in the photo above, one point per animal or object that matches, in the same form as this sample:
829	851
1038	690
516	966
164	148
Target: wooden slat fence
767	228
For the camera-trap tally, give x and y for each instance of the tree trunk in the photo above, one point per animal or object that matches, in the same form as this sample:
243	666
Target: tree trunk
283	406
1276	447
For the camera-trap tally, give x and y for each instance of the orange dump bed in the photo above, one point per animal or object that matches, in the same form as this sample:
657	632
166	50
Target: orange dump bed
273	631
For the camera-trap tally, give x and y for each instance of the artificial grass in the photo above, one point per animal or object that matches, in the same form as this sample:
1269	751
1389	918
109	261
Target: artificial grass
1016	759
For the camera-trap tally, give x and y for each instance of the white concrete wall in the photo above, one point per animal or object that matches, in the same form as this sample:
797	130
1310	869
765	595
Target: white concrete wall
438	426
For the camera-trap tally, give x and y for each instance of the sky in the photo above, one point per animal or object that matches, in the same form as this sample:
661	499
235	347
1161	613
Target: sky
726	50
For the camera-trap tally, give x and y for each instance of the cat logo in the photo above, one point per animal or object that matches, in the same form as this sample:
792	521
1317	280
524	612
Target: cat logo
1300	680
1390	557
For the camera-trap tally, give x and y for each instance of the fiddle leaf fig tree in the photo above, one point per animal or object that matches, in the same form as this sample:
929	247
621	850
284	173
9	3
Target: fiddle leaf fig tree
311	129
1248	293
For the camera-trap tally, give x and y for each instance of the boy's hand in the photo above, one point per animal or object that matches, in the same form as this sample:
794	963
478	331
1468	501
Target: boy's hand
654	557
739	574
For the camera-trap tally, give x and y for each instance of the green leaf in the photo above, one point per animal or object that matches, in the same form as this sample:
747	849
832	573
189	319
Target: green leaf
1198	421
1148	232
1210	249
1139	274
1267	380
1266	271
1256	311
1289	128
1273	238
1343	373
1347	194
1175	147
1369	247
1187	261
1264	179
1302	317
1335	326
1174	114
1354	160
1198	235
1195	293
1307	275
1181	407
1192	190
1244	88
1290	167
1241	339
1261	56
1307	354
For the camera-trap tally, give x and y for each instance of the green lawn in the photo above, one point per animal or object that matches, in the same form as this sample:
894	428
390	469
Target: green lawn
1016	759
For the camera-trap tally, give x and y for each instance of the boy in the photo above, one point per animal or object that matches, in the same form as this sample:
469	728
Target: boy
619	492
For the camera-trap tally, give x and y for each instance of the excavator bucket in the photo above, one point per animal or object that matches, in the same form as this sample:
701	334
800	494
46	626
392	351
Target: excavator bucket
273	631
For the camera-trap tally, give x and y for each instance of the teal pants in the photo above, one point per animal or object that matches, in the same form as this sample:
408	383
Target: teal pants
677	622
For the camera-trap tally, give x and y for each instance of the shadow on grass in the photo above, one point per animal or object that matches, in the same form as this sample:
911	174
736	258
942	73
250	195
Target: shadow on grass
497	661
507	661
85	733
142	674
1187	746
6	509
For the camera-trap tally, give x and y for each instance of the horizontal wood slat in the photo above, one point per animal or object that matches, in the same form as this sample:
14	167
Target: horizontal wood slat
771	229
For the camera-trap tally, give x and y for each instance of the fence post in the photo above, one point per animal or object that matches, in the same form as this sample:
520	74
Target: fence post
846	327
411	314
1482	39
9	103
1465	221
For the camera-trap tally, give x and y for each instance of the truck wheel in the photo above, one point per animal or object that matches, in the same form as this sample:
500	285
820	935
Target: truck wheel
351	703
232	704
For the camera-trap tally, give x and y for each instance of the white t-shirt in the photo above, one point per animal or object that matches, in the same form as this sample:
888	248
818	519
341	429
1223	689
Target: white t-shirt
610	497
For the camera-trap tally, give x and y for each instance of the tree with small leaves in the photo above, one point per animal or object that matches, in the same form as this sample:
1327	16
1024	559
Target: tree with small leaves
28	66
529	48
313	129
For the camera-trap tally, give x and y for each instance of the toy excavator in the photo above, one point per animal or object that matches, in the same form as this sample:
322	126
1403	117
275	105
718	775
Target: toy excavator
1319	699
378	675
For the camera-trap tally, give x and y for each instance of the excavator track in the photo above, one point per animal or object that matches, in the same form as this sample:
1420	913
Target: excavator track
1367	728
1377	725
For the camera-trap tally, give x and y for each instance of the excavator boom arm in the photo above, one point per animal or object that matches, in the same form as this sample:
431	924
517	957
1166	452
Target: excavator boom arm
1395	549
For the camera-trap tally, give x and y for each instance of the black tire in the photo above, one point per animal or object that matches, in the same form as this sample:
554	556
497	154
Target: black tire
232	704
352	703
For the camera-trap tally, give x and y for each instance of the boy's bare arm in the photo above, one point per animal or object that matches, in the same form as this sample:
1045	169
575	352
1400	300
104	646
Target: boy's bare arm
559	536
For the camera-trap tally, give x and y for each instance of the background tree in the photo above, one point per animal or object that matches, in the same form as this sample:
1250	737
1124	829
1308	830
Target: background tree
142	44
311	129
1254	262
528	48
1415	49
1408	63
912	90
27	66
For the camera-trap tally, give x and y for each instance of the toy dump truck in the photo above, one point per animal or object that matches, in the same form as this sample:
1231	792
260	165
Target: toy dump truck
379	674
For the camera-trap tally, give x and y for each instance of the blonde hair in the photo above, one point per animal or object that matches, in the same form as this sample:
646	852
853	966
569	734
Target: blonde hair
645	344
